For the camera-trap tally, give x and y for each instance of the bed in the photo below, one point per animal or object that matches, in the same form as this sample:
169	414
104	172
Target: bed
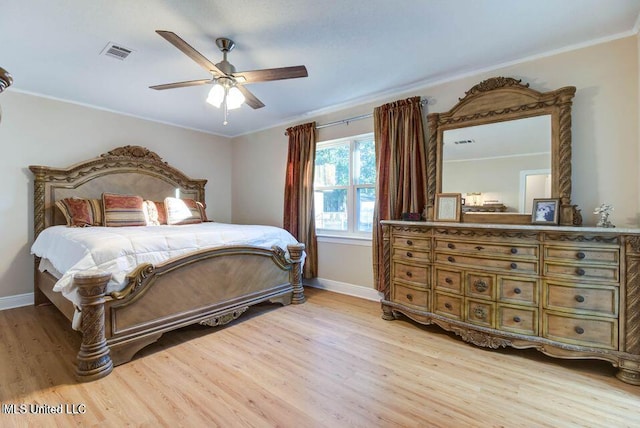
120	311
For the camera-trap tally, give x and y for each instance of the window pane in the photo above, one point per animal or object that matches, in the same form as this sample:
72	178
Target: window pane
331	209
365	198
332	166
365	162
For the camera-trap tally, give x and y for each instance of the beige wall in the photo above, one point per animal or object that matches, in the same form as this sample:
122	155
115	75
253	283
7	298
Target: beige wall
41	131
605	142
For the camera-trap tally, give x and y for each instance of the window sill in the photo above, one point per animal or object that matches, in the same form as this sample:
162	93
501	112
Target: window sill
364	241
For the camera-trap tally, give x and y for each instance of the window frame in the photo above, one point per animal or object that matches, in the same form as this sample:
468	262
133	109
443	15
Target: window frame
352	204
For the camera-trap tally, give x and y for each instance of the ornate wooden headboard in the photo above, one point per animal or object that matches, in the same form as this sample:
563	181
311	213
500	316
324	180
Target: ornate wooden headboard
131	170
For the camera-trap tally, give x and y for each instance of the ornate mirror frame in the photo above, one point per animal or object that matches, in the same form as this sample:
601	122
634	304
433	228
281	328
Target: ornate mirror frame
500	99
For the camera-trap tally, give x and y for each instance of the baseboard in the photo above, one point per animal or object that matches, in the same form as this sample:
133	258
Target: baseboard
16	301
344	288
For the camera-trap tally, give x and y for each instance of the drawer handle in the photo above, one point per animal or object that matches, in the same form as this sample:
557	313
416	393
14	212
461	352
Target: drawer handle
479	248
409	254
448	280
580	255
409	274
410	297
451	259
517	290
514	251
513	266
451	246
579	298
579	330
447	305
480	312
580	272
516	319
409	242
480	285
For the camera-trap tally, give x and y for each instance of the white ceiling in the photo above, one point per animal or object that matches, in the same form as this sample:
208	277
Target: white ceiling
354	50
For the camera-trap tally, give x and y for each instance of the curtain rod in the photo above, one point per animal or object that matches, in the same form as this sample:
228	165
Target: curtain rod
352	119
340	122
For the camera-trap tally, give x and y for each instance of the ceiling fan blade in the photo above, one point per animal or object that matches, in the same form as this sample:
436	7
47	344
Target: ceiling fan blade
187	49
267	74
181	84
249	98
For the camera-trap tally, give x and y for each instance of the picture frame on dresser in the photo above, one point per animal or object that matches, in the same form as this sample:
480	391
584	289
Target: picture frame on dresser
448	207
545	211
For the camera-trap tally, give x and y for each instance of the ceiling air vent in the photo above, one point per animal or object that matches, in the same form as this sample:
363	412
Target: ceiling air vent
464	142
116	51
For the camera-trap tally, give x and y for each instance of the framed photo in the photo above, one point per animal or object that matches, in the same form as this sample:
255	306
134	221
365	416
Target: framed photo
545	211
447	207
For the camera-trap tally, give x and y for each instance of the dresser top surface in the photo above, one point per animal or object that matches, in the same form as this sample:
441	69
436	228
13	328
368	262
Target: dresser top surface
536	227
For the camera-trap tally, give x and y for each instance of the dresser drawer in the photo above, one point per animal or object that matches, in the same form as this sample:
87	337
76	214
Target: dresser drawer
582	272
480	285
412	273
410	296
416	243
517	319
518	290
449	280
595	300
586	331
409	254
448	305
488	248
515	266
480	312
582	254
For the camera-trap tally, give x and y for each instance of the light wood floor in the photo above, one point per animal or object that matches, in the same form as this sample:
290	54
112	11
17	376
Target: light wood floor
331	362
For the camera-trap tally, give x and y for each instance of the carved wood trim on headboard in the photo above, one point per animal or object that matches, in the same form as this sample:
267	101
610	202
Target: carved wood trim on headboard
115	168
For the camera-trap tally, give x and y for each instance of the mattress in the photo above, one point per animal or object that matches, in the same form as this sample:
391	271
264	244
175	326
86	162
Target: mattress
66	251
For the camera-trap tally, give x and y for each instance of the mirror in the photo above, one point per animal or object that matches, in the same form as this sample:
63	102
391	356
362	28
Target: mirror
499	167
501	146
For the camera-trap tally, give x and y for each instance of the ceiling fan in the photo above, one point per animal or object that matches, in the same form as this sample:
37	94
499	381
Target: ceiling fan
228	90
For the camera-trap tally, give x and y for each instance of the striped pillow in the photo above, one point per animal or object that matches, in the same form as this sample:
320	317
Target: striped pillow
123	210
202	208
182	211
79	212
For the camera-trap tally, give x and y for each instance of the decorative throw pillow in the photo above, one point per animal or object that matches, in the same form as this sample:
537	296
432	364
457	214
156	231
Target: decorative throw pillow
123	210
79	212
202	208
155	213
182	211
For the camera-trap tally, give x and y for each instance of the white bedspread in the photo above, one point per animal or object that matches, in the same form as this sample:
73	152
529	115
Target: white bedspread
119	249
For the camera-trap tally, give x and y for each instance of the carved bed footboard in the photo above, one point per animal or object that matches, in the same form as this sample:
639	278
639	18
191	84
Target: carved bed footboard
166	297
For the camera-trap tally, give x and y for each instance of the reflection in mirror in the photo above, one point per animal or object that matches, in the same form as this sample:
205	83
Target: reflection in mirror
499	167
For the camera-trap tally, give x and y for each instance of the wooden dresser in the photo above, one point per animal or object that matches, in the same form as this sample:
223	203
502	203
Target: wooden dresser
570	292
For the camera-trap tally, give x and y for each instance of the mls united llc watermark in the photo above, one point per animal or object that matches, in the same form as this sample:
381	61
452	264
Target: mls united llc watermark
45	409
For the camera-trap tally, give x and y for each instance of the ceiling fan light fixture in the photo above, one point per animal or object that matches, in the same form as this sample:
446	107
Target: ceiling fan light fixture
234	98
216	95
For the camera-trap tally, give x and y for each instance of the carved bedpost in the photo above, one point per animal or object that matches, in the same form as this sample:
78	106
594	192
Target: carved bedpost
94	360
38	226
295	276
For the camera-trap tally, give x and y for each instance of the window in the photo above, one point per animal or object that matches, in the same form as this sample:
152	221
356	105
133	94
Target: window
344	185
